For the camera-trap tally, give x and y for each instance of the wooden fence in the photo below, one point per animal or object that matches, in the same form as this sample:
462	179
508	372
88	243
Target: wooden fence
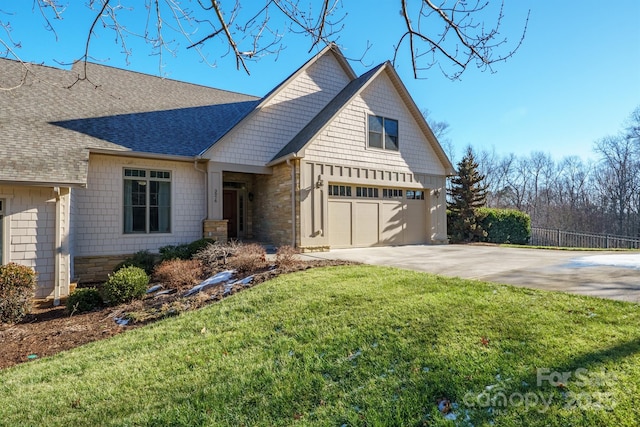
570	239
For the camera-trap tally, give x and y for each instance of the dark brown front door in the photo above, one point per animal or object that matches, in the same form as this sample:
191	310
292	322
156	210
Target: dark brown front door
230	212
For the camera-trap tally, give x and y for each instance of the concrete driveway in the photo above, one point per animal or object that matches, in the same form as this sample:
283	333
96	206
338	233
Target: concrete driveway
614	275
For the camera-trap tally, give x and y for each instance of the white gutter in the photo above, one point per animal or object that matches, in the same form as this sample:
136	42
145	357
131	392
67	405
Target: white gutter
44	184
293	202
287	158
139	154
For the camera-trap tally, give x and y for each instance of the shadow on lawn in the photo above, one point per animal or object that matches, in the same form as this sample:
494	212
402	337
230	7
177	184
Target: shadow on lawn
582	385
583	375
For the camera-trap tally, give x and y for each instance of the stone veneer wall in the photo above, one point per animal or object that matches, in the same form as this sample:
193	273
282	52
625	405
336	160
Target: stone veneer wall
89	269
215	229
272	207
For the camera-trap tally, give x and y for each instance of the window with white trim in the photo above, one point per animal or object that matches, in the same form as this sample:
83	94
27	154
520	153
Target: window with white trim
147	201
383	133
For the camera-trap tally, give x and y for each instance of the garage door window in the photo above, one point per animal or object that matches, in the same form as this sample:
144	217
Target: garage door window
383	133
415	194
392	193
340	190
336	190
367	192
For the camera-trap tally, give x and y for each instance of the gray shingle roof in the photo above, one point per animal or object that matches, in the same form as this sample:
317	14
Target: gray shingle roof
48	124
180	132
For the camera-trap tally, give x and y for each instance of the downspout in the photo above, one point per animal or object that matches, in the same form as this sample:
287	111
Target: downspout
293	202
57	248
206	189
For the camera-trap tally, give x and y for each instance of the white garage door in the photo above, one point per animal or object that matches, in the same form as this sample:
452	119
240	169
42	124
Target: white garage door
371	216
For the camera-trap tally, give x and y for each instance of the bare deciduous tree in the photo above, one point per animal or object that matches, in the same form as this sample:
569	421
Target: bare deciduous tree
617	178
440	129
488	165
601	196
462	39
451	34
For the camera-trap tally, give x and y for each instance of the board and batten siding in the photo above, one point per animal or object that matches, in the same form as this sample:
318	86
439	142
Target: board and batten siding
339	154
344	140
98	222
256	140
313	195
31	212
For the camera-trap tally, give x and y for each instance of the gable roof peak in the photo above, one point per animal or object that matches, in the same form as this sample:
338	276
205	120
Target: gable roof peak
296	146
331	48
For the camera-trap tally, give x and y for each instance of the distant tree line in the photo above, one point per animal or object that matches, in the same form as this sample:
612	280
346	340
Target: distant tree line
597	196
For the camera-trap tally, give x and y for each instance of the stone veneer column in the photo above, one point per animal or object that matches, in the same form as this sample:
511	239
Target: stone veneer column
272	210
215	229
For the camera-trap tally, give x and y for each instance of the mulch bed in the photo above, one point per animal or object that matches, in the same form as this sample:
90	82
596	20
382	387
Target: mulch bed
48	330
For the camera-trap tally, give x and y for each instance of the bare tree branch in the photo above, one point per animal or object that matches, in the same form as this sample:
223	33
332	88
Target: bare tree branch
225	28
468	43
55	7
91	29
442	33
23	79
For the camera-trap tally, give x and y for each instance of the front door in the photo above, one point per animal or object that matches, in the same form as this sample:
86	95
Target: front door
230	212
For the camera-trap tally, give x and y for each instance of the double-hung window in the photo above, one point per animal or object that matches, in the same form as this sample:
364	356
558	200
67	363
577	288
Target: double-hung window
147	201
383	133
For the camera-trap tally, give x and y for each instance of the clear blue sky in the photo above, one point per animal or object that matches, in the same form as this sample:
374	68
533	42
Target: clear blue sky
575	79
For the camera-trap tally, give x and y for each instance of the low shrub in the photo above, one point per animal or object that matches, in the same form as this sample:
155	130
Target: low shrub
171	252
214	256
83	300
286	257
141	259
505	225
185	250
198	245
17	287
248	257
179	273
125	285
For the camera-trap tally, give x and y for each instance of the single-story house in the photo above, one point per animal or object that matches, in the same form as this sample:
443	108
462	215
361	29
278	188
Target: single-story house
92	171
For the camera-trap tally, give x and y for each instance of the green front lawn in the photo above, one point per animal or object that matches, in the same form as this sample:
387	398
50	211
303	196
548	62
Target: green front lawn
353	345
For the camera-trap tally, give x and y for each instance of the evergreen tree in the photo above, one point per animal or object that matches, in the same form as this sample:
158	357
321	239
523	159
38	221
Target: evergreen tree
467	193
